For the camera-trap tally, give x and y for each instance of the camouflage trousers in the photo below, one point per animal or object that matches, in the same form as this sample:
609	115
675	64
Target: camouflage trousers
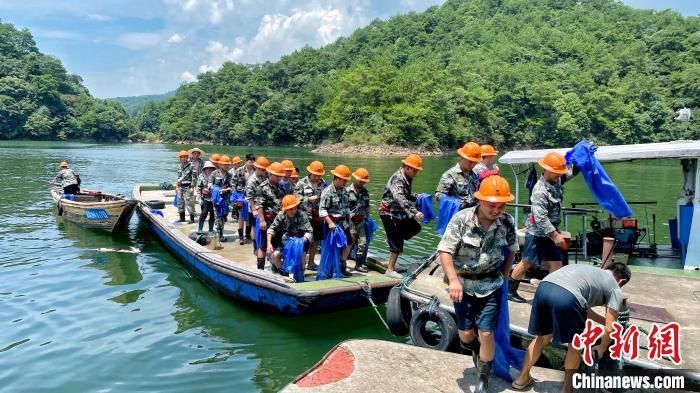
185	198
359	238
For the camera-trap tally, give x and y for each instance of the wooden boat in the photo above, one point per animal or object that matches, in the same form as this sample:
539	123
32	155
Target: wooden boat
94	209
231	268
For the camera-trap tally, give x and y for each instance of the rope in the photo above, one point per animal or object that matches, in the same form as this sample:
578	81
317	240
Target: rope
433	305
368	293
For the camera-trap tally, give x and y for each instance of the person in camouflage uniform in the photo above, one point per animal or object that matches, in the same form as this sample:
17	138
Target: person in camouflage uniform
543	241
68	179
358	198
241	180
252	183
487	167
290	222
286	182
222	179
309	190
398	210
472	256
197	166
334	208
268	202
204	191
460	180
185	187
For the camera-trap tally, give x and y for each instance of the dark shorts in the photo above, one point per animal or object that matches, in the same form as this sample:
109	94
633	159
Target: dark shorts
317	225
276	240
479	312
539	249
71	190
556	311
397	231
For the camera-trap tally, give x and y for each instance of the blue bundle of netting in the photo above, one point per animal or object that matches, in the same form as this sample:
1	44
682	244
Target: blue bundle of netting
370	227
505	356
258	235
424	204
237	197
71	197
292	253
448	207
175	199
220	204
330	254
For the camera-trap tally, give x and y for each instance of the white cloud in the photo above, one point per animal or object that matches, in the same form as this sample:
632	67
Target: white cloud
218	55
187	77
211	10
98	17
175	39
138	40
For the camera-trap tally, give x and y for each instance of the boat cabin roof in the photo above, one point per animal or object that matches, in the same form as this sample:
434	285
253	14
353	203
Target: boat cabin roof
642	151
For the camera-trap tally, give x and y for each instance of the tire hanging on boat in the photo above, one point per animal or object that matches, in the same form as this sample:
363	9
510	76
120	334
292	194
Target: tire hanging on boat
398	313
155	204
424	338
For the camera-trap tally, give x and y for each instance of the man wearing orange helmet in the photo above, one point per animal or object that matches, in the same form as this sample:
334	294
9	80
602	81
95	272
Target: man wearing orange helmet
239	182
197	166
204	190
358	198
290	222
222	179
286	182
251	187
472	257
487	167
68	179
335	210
308	190
185	190
460	181
268	201
543	241
398	210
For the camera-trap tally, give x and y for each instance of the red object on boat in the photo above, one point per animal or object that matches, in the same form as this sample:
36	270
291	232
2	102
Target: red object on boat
629	223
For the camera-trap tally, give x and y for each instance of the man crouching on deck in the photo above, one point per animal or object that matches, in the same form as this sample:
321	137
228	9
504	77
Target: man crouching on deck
472	253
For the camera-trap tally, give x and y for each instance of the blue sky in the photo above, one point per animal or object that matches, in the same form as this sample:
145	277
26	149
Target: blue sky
136	47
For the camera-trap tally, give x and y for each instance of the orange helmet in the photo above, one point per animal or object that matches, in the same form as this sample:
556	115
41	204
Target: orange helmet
471	151
316	167
494	189
290	201
214	158
225	160
295	174
275	169
63	164
236	160
554	162
414	161
261	162
361	174
342	172
488	150
288	165
183	153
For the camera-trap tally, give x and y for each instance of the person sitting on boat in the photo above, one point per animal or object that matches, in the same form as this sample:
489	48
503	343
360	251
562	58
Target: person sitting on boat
185	186
286	182
460	181
204	190
472	253
268	202
397	210
197	166
563	301
68	179
358	199
222	179
543	241
334	208
309	190
290	222
487	166
251	188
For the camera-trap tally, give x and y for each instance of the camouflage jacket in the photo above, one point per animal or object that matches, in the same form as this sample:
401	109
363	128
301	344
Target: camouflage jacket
398	198
269	198
66	177
185	175
456	183
251	186
196	169
304	189
483	171
223	180
477	252
287	186
358	201
203	183
294	226
546	203
334	203
238	179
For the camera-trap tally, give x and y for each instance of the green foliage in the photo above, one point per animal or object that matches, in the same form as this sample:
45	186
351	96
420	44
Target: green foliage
134	105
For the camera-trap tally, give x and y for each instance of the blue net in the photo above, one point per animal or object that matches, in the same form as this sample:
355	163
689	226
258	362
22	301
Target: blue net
175	199
600	184
292	253
237	197
370	227
258	235
220	203
424	204
448	207
330	254
505	355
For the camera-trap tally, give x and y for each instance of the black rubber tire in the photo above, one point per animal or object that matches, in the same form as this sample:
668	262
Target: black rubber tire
398	313
445	322
155	204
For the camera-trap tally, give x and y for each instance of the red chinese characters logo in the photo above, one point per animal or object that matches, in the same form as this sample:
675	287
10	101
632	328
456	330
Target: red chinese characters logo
624	344
584	341
665	341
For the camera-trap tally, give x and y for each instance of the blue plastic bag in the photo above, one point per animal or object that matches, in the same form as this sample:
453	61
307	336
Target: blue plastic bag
448	207
175	199
505	355
424	203
237	197
220	203
70	197
600	184
370	227
292	253
258	236
330	255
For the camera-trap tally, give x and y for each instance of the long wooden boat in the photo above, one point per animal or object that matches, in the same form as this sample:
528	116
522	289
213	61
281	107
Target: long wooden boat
94	209
231	268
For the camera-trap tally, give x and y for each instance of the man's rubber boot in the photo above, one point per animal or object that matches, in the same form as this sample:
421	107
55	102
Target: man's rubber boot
248	229
182	217
482	383
513	292
211	226
360	265
261	263
471	349
241	240
222	238
191	218
200	226
344	269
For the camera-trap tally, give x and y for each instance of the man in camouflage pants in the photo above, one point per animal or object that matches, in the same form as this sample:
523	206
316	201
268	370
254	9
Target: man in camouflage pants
358	198
460	181
185	189
268	202
334	208
472	257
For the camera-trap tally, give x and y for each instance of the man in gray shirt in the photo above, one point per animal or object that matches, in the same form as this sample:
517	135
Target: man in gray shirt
562	303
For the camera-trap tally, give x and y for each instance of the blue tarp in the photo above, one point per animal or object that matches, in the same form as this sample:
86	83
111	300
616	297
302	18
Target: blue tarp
600	184
237	197
330	254
370	227
258	236
448	207
220	203
505	355
175	199
424	203
68	197
292	253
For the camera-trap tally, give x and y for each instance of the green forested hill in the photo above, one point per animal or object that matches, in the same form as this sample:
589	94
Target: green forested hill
510	72
39	100
134	104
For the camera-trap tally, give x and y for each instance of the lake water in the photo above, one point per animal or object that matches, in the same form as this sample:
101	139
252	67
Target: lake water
73	319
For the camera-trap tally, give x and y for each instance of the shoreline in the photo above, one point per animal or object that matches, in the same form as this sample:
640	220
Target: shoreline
374	150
